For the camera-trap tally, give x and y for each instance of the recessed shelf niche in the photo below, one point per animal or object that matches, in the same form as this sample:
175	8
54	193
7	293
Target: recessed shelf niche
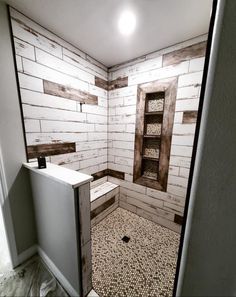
154	124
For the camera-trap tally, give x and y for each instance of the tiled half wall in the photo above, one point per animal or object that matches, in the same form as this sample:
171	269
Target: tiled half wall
84	114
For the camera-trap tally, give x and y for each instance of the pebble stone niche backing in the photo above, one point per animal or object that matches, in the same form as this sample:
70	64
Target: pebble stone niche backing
153	128
151	148
150	169
144	266
155	104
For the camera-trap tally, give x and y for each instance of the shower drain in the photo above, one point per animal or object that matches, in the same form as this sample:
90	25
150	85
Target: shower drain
126	239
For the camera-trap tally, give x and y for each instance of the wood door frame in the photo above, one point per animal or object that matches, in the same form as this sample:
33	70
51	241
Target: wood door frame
217	8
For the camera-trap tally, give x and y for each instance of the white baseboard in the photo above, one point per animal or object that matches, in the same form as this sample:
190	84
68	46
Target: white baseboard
57	273
27	254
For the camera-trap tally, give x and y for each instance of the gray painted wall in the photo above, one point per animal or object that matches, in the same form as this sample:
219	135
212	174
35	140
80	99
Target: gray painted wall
12	143
209	263
56	218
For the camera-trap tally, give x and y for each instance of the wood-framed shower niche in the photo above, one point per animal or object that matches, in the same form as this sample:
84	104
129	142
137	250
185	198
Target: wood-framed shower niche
154	124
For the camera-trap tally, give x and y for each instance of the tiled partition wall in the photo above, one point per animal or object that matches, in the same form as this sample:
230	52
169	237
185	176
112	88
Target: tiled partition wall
56	79
184	61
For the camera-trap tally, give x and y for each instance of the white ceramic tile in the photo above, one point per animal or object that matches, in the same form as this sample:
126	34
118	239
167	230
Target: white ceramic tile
188	92
55	63
190	79
101	190
30	82
196	64
92	294
19	64
62	175
24	49
44	100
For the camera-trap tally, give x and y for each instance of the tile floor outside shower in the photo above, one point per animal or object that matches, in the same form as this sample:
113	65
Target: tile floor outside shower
142	267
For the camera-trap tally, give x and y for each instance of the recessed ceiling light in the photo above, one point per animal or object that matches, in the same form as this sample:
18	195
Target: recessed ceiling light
127	22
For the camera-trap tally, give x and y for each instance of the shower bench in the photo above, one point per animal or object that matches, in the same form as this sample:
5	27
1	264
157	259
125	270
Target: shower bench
104	199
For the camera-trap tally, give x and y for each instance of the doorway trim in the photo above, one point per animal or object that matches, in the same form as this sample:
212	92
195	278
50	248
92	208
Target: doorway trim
6	213
216	7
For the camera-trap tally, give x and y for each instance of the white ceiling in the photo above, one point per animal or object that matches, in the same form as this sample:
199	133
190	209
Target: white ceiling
91	25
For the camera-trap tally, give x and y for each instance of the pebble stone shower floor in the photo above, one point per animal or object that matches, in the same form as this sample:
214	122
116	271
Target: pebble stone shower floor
143	267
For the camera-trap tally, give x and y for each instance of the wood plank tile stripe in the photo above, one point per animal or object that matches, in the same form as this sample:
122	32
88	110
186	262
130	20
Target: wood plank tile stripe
110	172
191	52
118	83
34	151
116	174
178	219
99	174
101	83
189	117
102	207
55	89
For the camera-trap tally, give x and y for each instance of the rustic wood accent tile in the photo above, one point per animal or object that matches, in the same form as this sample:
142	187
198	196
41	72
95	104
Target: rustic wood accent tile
86	261
116	174
139	131
99	174
83	199
184	54
149	183
167	128
55	89
113	173
84	209
118	83
189	117
102	207
178	219
34	151
101	83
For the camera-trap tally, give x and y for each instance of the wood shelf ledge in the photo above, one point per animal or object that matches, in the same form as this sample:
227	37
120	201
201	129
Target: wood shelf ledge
150	183
150	158
152	136
154	113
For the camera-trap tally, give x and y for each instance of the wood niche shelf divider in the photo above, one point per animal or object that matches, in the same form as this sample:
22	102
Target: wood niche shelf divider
153	133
